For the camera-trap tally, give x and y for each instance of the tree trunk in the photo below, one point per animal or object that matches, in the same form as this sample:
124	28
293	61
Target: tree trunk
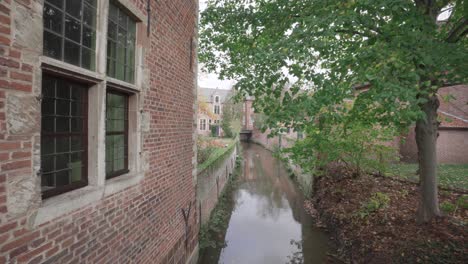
426	139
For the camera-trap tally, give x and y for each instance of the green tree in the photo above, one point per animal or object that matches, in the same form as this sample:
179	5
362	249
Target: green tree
232	113
302	58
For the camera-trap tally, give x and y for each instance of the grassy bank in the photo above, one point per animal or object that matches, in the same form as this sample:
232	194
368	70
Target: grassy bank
449	176
212	149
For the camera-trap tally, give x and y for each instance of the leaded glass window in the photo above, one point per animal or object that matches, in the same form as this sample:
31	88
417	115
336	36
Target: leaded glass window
70	31
116	134
120	45
63	135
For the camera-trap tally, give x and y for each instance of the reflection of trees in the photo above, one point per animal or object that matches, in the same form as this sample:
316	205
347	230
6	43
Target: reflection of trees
267	181
265	177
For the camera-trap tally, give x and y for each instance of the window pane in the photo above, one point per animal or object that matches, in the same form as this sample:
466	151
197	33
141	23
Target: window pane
89	16
48	106
63	145
75	172
113	12
62	178
72	29
63	107
89	37
52	45
53	19
47	181
57	3
88	59
121	45
122	19
116	138
72	53
62	154
47	124
112	30
47	145
73	8
91	2
77	25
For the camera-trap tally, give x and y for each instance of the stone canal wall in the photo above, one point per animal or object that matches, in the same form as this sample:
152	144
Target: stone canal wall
212	180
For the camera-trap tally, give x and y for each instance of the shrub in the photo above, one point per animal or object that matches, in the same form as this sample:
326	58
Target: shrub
377	201
448	207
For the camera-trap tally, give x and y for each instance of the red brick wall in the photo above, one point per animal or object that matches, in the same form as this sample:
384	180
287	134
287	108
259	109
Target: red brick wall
141	224
452	147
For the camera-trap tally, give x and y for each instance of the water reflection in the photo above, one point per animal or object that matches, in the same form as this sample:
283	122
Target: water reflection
268	223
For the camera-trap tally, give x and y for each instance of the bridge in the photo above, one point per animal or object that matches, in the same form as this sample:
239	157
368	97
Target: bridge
245	134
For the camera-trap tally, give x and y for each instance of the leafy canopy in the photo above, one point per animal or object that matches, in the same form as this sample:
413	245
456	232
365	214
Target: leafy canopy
302	59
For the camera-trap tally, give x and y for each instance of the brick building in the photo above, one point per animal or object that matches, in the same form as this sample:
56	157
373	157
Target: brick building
452	143
97	131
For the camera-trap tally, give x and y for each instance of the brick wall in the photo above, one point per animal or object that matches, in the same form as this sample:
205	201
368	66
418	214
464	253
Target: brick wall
452	146
142	223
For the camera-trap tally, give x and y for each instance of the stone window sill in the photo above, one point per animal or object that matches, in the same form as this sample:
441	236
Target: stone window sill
63	204
122	182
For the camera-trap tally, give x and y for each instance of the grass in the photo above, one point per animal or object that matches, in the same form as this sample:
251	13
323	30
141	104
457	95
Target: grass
449	175
217	153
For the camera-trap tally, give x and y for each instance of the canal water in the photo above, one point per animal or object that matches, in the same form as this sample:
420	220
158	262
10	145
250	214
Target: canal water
268	223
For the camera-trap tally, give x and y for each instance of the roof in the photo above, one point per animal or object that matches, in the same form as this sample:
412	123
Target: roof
454	112
210	93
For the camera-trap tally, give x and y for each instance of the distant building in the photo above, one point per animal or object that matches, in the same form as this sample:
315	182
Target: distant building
452	143
214	99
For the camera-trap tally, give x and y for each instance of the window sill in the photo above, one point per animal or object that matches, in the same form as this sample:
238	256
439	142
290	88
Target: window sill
122	182
121	85
63	204
64	69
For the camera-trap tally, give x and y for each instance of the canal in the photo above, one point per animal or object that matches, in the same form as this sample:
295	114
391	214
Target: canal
268	223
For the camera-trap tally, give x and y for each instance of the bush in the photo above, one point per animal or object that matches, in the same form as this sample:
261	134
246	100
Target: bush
377	201
448	207
359	147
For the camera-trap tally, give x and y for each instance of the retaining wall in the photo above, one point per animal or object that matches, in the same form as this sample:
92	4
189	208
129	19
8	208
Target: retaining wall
211	182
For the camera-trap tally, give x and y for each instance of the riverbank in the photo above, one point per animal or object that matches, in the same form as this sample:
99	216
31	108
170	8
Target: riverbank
372	220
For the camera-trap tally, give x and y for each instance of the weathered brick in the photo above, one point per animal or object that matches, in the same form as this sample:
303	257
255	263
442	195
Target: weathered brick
21	76
9	63
24	240
21	154
7	227
15	165
9	145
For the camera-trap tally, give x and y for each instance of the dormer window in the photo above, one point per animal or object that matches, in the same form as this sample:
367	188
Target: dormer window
217	99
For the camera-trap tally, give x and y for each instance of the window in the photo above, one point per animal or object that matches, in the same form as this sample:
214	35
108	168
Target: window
63	136
216	109
116	134
120	45
202	124
216	99
70	31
